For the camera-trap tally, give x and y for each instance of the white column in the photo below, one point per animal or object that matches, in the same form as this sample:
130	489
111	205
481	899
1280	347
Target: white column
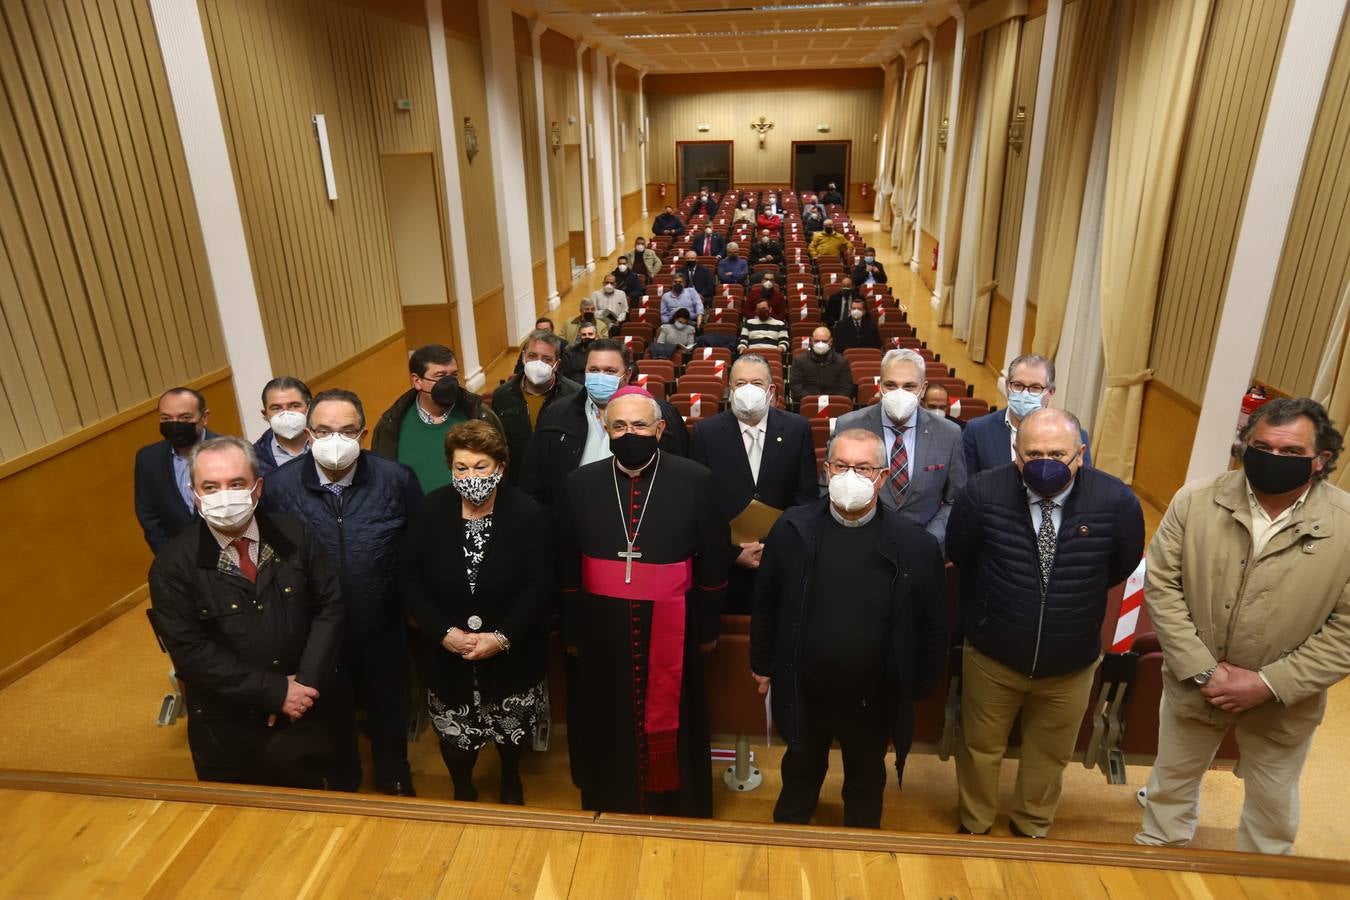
537	29
192	87
953	103
582	126
604	146
1305	61
617	147
508	164
923	148
471	369
1031	196
646	135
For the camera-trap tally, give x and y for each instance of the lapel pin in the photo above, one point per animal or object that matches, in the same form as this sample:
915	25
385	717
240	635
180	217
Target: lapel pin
780	439
1082	529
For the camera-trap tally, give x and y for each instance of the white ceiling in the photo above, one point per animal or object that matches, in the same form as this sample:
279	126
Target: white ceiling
744	35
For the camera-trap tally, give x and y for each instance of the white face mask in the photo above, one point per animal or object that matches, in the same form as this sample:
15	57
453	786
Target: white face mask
851	492
336	452
538	371
749	402
899	405
640	248
609	289
287	424
940	412
227	509
821	347
768	285
622	267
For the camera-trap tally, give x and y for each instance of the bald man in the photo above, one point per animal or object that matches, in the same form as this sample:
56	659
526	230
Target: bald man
820	370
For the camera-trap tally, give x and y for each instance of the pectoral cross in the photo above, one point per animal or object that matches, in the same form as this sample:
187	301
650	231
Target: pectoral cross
629	556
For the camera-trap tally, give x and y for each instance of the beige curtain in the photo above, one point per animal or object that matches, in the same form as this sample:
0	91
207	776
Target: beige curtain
984	192
882	191
960	136
1161	43
901	159
910	161
1084	41
897	119
1332	387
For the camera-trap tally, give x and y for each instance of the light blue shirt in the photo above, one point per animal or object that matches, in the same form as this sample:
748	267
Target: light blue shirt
1056	515
890	430
281	454
183	475
688	299
597	439
345	480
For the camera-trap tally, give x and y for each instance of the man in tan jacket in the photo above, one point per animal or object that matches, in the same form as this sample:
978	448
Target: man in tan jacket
1249	591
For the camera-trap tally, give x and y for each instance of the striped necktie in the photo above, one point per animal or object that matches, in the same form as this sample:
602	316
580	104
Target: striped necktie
899	477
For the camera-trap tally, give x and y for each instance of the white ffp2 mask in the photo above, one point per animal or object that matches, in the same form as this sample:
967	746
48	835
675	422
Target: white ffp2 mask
336	451
851	492
287	424
899	405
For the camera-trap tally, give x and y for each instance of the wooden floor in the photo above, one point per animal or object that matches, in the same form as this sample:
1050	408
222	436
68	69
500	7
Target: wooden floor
73	845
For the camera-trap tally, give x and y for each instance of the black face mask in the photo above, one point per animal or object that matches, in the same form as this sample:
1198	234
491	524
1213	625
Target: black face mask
446	391
588	317
180	435
1271	473
633	451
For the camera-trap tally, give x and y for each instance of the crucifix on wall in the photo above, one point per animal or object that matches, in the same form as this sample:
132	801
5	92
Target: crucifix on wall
762	127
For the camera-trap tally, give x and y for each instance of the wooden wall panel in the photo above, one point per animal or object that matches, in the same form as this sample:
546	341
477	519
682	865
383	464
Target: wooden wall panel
476	184
105	298
1015	172
560	105
1166	432
1315	265
529	137
378	375
1232	89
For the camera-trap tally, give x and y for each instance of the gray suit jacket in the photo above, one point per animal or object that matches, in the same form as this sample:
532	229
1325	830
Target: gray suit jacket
938	473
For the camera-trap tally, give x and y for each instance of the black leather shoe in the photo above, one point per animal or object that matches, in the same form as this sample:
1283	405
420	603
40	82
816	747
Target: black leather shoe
1017	832
962	829
399	789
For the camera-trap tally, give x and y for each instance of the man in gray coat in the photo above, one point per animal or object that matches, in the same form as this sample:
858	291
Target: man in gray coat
927	466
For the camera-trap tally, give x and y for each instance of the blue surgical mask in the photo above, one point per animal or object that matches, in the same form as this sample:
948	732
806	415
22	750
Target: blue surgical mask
601	386
1023	403
869	259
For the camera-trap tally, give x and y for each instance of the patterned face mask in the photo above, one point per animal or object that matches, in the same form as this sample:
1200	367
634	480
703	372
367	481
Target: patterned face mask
478	488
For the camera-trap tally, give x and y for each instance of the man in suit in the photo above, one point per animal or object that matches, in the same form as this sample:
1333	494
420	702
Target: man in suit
767	250
838	304
1039	543
164	501
927	470
668	223
858	328
698	277
832	197
868	269
990	441
822	370
709	243
628	281
756	453
705	203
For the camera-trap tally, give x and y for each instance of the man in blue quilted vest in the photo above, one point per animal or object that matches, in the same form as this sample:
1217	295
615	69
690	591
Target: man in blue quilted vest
1039	543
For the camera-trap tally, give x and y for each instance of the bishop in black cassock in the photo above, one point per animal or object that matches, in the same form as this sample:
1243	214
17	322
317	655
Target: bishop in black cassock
638	624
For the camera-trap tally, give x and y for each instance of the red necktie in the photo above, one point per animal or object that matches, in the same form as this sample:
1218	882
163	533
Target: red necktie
246	566
899	465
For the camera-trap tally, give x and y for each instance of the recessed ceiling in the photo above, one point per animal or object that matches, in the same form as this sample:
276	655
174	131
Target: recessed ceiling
745	35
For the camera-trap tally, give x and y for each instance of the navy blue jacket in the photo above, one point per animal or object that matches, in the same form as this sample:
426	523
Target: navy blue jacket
267	460
362	529
159	507
703	245
987	442
991	540
920	635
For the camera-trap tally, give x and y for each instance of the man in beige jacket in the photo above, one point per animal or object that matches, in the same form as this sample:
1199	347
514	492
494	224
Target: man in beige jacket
1249	591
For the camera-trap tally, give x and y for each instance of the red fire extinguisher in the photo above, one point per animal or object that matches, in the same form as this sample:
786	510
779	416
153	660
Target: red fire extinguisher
863	189
935	255
661	189
1254	399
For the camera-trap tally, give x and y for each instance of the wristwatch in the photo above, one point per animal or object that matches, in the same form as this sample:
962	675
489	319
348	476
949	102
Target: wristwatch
1203	678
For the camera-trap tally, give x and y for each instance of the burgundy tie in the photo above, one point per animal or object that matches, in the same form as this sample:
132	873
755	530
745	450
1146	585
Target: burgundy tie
246	566
899	465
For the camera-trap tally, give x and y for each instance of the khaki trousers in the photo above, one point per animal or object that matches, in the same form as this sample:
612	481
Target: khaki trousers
1269	770
1052	712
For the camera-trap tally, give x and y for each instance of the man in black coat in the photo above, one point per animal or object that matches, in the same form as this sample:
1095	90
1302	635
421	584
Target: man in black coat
832	197
1039	542
857	329
822	370
668	223
249	609
522	400
163	486
757	454
697	277
628	281
285	401
357	504
709	243
868	269
850	628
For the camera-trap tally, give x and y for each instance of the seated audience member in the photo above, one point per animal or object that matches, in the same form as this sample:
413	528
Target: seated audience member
765	289
356	504
705	204
249	609
645	261
766	250
413	429
698	277
628	281
868	270
285	404
813	219
770	221
544	323
990	439
743	213
586	315
520	401
837	304
779	467
771	206
1039	543
681	296
850	629
668	223
938	401
611	306
733	269
827	242
677	332
574	358
163	485
859	329
763	330
821	371
482	617
708	243
832	197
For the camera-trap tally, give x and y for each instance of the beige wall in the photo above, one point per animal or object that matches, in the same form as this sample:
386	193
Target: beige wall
105	299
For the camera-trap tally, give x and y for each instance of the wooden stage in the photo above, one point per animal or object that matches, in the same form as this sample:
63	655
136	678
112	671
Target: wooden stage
85	836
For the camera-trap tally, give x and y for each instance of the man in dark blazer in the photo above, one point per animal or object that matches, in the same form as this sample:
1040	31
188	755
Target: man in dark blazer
857	328
668	223
697	277
869	269
522	400
988	439
1039	542
709	242
756	453
927	468
705	203
164	501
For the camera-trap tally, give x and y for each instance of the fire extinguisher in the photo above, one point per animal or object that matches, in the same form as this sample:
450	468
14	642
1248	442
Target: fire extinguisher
661	189
1253	400
935	255
863	189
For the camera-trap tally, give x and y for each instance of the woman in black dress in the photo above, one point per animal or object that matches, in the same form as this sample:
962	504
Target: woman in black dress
476	573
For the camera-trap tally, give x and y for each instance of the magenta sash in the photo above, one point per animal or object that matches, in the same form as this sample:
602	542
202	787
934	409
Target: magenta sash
664	586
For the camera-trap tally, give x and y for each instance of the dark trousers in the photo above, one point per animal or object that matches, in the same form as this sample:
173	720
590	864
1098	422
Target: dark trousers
376	666
861	731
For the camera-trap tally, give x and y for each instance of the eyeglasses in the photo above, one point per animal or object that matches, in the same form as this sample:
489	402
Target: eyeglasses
321	432
1034	390
868	472
618	429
